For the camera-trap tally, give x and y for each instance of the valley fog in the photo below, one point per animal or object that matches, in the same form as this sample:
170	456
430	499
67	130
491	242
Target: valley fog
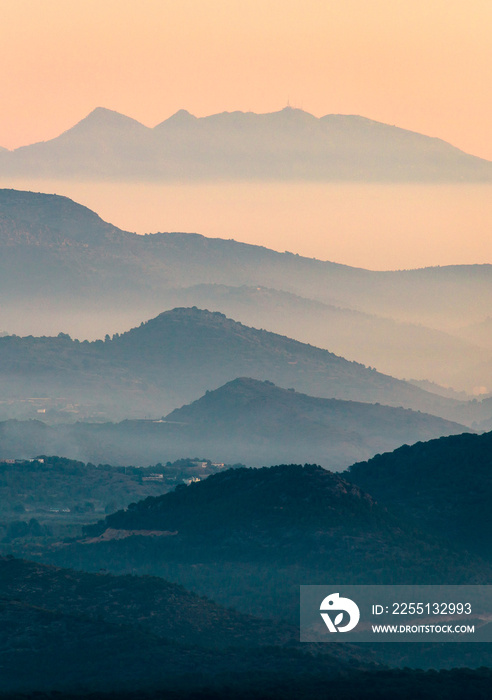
428	324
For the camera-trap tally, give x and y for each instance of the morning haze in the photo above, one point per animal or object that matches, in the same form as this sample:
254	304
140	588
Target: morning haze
341	188
245	345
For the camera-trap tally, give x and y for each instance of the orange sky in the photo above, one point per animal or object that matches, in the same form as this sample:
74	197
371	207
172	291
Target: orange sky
425	65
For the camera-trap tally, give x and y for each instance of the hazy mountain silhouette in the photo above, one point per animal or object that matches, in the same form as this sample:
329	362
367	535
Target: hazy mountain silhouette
246	421
479	333
285	145
394	347
63	269
439	389
98	146
257	423
52	248
177	356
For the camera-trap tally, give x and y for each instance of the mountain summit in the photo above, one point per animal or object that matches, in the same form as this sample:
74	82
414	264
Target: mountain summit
102	118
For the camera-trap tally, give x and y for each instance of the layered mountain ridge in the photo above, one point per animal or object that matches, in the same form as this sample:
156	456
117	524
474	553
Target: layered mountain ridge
246	421
67	236
63	269
180	354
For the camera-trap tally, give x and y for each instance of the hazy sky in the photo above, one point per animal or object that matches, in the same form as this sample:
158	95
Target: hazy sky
425	65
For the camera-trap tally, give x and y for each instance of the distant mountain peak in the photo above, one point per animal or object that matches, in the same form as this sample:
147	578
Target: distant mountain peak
239	390
102	112
296	113
255	398
250	383
185	320
180	118
103	118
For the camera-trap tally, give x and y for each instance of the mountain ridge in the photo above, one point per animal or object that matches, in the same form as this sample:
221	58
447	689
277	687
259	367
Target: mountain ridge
172	358
62	267
245	421
256	423
445	484
285	145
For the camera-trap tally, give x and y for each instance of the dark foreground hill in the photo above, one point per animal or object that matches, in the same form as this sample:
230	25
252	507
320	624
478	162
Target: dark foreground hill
165	609
177	356
255	504
452	684
65	630
445	485
249	537
285	145
74	635
246	421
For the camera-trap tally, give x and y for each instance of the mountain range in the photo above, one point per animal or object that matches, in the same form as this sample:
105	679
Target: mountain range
163	608
191	384
63	269
177	356
286	145
245	421
246	532
258	423
97	632
395	347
